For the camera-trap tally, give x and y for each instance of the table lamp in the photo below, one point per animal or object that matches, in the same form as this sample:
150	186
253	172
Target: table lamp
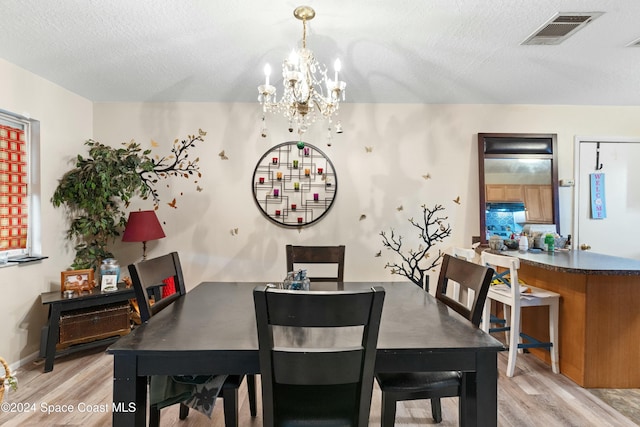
142	226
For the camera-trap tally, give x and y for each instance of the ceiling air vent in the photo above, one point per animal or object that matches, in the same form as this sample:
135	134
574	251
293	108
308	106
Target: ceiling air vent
560	27
635	43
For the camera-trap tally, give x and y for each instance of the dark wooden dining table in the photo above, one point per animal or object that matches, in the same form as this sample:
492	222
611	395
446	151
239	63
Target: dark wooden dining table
211	330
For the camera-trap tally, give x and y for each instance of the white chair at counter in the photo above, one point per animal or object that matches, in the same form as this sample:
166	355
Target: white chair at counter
467	254
513	298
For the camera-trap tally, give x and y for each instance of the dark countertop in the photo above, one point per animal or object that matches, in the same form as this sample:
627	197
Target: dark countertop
580	262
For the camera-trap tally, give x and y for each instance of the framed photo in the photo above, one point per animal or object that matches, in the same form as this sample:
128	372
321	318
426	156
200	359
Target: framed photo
109	283
77	280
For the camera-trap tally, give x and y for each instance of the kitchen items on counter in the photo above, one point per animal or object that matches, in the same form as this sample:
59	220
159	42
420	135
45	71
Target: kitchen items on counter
496	243
538	241
523	243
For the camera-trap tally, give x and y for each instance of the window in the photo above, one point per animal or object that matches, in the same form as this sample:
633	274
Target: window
19	140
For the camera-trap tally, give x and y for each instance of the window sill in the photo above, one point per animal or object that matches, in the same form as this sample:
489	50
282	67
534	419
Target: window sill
26	259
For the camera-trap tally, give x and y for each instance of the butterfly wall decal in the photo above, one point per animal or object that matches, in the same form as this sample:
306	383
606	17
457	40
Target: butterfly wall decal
457	200
173	203
368	149
222	155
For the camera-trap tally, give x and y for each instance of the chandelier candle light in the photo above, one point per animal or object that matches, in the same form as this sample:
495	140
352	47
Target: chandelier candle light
309	94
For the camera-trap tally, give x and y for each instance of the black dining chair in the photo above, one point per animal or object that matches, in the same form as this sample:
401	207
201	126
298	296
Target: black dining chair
157	283
306	382
318	255
473	278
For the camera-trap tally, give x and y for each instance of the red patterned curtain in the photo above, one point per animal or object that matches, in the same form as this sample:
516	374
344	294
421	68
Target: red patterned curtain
13	188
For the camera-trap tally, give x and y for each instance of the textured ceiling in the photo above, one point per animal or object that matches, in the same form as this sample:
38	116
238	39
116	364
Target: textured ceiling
409	51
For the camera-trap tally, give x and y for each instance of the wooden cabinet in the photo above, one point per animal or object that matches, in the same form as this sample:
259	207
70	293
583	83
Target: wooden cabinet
598	322
504	193
538	201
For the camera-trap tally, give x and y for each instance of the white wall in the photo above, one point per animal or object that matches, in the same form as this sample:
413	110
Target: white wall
374	184
66	121
408	141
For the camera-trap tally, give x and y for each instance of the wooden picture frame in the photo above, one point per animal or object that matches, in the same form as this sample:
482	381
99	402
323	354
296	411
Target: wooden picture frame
77	280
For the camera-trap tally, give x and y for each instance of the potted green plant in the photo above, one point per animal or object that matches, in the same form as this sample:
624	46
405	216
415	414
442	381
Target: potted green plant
98	189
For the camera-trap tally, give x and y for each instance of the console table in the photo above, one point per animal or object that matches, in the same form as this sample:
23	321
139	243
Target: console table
60	306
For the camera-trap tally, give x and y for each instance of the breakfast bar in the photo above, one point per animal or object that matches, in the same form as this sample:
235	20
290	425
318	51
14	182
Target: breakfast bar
599	308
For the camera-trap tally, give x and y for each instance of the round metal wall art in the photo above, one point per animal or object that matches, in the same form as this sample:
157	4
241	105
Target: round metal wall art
294	184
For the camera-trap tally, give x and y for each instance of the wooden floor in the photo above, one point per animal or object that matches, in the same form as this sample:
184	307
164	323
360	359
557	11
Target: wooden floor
534	397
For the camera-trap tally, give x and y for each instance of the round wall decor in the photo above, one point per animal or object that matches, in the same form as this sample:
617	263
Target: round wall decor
294	184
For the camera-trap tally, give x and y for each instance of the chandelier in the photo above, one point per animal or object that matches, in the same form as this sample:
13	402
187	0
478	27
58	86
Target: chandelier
309	93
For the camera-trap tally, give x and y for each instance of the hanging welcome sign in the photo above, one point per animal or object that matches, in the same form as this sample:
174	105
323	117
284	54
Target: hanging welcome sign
598	204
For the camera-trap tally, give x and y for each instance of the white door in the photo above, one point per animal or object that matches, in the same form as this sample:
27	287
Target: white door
619	232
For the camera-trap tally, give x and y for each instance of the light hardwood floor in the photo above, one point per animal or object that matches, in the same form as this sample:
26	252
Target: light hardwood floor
534	397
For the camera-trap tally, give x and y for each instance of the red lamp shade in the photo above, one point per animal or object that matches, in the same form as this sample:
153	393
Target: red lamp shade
142	226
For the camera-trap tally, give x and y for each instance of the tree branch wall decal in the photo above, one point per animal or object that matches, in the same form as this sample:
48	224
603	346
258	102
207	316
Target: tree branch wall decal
416	263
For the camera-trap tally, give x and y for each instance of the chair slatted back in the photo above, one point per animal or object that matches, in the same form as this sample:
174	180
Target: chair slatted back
317	255
470	276
148	278
303	376
464	253
506	272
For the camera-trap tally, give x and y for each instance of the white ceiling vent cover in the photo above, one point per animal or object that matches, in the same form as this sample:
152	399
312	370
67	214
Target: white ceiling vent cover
560	27
635	43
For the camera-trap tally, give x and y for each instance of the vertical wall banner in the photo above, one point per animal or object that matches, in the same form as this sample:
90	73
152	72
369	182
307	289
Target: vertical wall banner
598	203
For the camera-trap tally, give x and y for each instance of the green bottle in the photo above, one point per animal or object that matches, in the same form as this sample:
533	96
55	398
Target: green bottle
549	240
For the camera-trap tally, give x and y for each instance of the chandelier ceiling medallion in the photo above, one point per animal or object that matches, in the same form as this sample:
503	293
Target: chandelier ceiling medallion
309	93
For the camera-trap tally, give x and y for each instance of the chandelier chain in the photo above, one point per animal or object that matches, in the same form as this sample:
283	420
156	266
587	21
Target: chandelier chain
304	33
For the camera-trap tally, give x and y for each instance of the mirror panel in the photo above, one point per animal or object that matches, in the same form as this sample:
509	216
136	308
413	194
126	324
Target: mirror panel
518	183
517	171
